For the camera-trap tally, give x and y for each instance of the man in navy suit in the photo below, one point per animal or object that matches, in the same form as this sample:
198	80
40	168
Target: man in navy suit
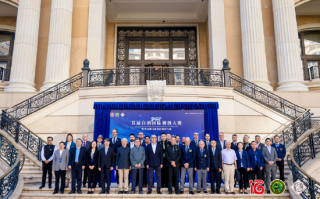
256	161
234	143
202	166
207	141
86	144
188	156
115	143
145	170
281	152
106	162
77	162
141	136
154	161
221	143
195	141
215	166
164	171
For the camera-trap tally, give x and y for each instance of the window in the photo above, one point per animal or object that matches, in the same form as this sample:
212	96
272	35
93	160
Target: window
165	47
6	48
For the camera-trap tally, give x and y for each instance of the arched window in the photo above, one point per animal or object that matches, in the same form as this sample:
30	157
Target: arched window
6	49
310	54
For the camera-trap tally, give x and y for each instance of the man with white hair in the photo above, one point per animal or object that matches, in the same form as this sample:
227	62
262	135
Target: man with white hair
188	156
202	166
229	164
123	166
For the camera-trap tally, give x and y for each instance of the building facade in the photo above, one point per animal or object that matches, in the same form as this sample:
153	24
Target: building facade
273	43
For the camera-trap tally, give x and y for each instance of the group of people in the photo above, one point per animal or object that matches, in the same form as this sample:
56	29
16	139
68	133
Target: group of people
139	158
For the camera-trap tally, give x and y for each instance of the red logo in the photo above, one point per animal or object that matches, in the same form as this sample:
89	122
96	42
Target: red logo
280	149
111	114
256	187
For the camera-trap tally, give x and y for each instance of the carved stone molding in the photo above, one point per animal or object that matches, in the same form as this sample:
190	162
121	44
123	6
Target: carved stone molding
156	90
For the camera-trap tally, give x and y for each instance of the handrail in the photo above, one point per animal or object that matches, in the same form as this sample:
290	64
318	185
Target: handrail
47	97
9	180
305	147
22	134
265	97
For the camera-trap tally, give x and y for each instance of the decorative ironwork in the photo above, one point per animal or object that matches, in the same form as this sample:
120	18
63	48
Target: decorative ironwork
265	97
46	97
139	75
311	73
14	158
302	152
22	134
5	74
191	34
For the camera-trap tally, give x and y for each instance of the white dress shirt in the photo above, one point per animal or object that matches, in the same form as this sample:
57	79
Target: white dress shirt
114	139
228	156
131	145
269	149
61	152
42	154
222	144
154	146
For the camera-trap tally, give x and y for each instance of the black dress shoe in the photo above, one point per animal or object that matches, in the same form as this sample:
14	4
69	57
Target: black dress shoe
198	191
84	185
268	192
120	192
212	192
125	192
55	192
181	192
205	192
50	186
191	192
177	192
89	192
233	193
61	192
149	192
159	192
218	192
107	192
79	192
71	192
170	192
41	187
140	192
102	192
227	192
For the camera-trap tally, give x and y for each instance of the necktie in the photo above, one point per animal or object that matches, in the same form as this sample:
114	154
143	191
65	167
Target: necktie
113	141
172	149
164	148
186	149
84	144
213	152
201	151
197	142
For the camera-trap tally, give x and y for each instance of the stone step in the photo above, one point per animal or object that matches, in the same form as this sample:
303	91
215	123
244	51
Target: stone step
153	195
31	172
28	164
26	168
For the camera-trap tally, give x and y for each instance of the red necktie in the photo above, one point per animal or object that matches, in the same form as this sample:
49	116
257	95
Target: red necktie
84	144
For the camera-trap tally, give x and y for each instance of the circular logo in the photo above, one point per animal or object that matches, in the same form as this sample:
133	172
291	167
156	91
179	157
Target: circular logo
277	187
117	114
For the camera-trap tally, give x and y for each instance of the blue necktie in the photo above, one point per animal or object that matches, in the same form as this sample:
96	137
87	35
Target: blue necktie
213	152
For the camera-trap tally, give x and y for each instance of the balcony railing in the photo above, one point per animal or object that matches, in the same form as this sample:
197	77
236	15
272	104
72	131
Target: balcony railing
140	75
4	74
311	73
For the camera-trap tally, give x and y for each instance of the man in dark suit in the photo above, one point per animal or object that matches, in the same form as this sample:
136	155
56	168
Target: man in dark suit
207	141
164	171
99	146
77	162
141	138
258	141
195	141
221	143
154	162
281	153
86	144
234	143
202	166
105	165
256	161
215	167
131	145
115	143
146	143
173	155
188	156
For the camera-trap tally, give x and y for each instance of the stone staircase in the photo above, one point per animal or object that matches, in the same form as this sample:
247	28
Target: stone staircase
32	180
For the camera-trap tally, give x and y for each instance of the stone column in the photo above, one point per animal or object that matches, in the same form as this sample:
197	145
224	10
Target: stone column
96	33
217	33
253	46
25	47
59	44
288	57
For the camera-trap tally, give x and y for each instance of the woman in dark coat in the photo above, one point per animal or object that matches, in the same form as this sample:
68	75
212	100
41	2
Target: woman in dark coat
92	166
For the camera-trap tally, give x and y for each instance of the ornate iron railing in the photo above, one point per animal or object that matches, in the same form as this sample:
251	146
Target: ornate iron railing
13	157
4	74
303	151
140	75
265	97
46	97
22	134
311	73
